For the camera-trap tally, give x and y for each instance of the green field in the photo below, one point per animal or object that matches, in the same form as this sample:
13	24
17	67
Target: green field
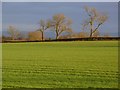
79	64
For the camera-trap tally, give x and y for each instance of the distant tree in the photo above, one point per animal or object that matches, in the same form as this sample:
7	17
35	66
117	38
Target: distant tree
67	36
0	39
44	25
82	34
5	38
94	21
106	35
22	36
96	34
13	32
60	24
35	35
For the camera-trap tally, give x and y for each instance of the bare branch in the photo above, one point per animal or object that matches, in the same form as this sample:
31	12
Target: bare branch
60	24
95	18
44	25
13	32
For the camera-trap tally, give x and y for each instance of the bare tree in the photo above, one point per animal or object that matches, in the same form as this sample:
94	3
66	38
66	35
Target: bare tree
106	35
96	34
82	34
60	24
36	35
13	32
44	25
22	36
0	39
95	20
67	36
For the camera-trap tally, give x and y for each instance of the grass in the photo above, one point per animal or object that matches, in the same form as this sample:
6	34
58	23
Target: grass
79	64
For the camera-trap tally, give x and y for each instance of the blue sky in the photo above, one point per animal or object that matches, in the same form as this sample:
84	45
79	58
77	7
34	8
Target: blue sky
60	0
26	15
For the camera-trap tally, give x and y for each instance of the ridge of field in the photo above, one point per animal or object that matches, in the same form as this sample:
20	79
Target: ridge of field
79	64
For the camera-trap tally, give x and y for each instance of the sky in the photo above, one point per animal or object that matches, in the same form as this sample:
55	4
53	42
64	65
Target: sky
26	15
60	0
0	19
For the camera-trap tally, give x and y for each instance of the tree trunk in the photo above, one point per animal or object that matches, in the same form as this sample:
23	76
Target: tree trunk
57	35
42	36
13	38
91	31
91	34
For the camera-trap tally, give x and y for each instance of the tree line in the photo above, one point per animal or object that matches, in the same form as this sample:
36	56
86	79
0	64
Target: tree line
60	24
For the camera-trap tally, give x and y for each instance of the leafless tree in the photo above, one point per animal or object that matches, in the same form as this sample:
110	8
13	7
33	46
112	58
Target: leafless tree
35	35
0	39
13	32
80	35
96	34
60	24
94	21
44	25
106	35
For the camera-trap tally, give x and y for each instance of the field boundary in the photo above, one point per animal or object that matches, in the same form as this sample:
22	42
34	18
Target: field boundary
69	39
60	89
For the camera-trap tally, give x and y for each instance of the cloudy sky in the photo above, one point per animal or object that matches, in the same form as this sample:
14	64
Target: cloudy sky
26	15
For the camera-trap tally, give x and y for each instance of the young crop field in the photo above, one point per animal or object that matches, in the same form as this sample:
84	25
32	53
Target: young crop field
79	64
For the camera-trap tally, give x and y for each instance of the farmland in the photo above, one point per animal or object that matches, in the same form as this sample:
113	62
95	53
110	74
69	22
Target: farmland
79	64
